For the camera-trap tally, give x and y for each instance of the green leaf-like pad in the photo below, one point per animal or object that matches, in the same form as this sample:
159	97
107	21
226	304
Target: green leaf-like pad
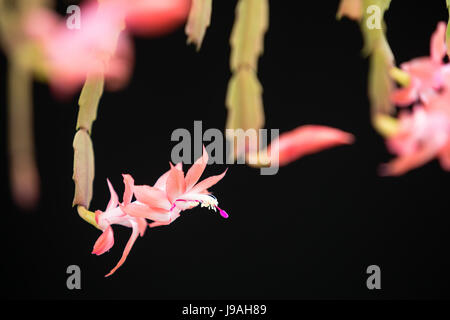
247	38
89	99
83	168
244	101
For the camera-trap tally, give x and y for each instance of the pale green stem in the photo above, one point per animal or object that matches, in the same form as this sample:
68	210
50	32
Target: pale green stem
24	175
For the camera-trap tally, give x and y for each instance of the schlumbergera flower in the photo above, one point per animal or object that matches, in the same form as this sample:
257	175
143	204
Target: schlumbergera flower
98	47
423	133
162	204
174	192
101	45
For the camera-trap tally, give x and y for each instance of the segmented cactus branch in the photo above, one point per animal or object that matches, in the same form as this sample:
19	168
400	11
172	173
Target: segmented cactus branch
244	98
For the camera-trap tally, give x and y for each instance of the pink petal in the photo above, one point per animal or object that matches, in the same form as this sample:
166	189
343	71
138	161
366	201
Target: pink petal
405	163
152	197
104	242
120	64
38	24
161	182
405	96
207	183
142	226
158	224
156	17
175	185
127	249
143	211
128	181
196	171
306	140
424	72
174	215
438	47
444	157
114	201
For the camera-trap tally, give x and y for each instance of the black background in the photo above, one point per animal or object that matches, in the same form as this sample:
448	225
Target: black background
308	232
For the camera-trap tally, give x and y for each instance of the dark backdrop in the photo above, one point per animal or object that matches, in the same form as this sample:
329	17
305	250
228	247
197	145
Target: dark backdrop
308	232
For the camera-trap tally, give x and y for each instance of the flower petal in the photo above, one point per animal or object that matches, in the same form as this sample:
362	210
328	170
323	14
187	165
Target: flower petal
104	242
128	181
352	9
114	201
156	17
152	197
207	183
175	185
174	215
158	224
161	182
406	96
444	157
127	249
403	164
438	47
143	211
195	172
142	226
306	140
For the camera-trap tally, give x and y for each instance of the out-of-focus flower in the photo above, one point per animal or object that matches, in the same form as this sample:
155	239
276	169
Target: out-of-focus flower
174	192
426	73
98	47
423	133
114	214
421	136
302	141
101	45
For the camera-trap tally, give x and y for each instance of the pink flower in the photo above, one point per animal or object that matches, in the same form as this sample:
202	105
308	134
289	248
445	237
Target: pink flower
424	133
307	139
174	192
162	203
101	45
114	214
422	136
98	47
426	73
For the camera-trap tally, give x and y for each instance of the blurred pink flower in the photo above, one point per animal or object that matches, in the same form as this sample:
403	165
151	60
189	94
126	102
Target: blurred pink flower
174	192
307	139
422	136
98	47
426	73
114	214
102	44
424	133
